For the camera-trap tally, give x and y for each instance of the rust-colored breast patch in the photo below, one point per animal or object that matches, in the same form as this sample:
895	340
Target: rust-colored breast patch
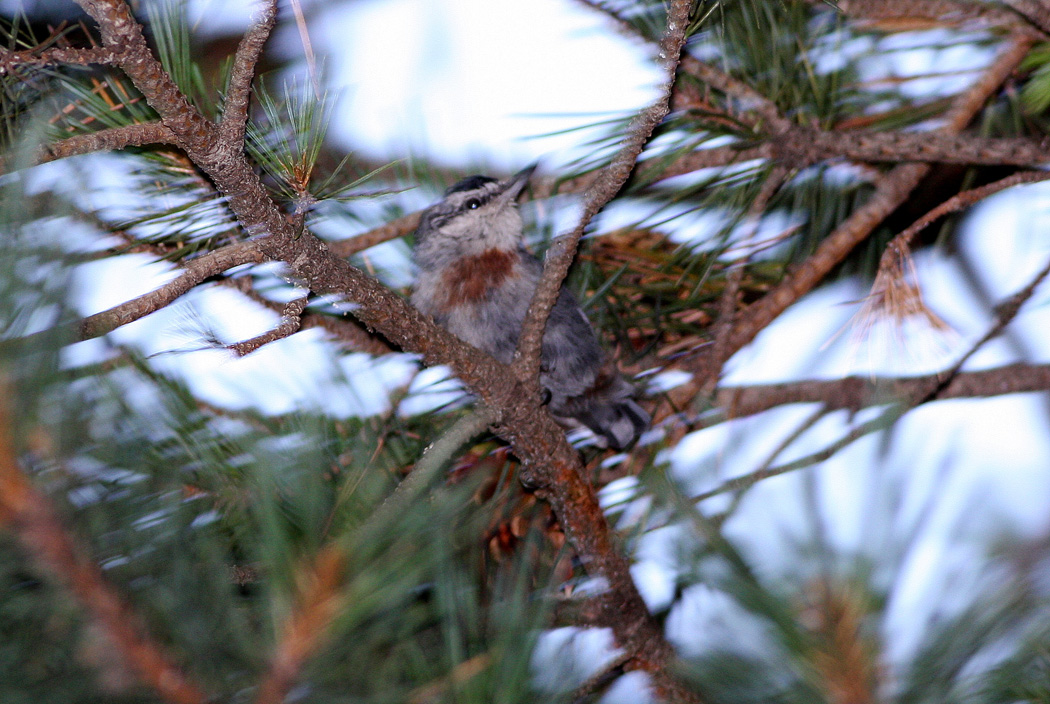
470	279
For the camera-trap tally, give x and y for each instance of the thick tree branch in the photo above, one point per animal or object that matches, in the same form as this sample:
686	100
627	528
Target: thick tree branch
611	179
1038	13
238	94
33	518
944	12
742	483
810	145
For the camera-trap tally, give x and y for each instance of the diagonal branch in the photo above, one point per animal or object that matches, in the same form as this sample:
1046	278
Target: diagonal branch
899	246
196	271
238	94
30	514
611	179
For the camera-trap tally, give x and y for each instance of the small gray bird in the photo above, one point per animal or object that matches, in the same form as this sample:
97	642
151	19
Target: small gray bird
476	280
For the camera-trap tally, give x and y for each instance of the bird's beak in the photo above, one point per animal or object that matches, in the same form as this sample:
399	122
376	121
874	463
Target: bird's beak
516	183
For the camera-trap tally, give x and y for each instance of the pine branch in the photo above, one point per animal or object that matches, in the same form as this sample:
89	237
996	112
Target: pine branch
537	440
892	189
291	323
33	518
307	626
238	95
108	139
562	251
196	271
103	56
945	12
856	392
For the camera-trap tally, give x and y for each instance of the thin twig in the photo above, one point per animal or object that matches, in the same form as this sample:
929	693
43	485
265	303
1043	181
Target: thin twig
1005	313
744	482
291	323
345	329
563	249
195	271
104	56
899	247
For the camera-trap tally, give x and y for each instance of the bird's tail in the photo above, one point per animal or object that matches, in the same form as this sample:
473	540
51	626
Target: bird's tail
608	409
621	423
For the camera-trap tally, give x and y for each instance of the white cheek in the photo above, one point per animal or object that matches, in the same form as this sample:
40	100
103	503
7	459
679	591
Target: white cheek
505	228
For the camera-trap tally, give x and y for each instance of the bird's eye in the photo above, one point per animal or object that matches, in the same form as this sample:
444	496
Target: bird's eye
473	204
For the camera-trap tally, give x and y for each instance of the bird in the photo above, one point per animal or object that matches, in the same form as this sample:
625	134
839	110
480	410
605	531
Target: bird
476	279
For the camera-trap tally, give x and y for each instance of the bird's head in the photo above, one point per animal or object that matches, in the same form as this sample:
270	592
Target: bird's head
477	214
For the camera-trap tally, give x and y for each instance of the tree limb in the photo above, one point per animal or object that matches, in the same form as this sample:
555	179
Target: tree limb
108	139
856	392
943	12
892	189
102	55
238	94
196	271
